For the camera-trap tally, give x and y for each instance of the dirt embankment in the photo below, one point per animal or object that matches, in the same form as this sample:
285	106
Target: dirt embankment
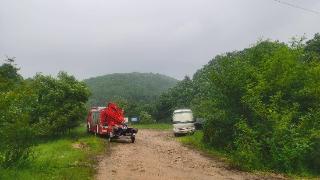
156	155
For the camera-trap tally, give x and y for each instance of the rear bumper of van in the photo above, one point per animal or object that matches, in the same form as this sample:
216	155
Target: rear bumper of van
183	130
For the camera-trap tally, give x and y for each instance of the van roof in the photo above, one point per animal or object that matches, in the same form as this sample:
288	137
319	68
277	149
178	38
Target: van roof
182	110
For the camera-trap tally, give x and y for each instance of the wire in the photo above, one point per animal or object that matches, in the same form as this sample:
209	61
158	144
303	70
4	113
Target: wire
297	7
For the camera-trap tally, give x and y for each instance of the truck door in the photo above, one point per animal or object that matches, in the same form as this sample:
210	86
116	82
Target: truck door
95	117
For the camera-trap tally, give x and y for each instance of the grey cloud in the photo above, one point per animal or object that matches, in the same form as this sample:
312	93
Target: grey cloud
173	37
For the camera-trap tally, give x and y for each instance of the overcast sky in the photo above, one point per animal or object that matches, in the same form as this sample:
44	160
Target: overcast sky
174	37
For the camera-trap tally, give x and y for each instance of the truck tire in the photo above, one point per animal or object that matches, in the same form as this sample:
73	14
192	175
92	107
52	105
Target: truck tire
88	130
133	139
97	131
109	137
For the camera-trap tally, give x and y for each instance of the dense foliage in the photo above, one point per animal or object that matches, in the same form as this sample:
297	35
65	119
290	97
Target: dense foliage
179	96
261	105
60	103
135	92
145	118
39	107
15	132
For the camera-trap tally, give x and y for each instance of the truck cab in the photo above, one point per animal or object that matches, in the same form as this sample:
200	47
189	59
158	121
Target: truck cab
94	123
183	122
109	122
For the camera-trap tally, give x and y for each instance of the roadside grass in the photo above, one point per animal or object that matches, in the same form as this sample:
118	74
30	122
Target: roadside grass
158	126
71	156
195	141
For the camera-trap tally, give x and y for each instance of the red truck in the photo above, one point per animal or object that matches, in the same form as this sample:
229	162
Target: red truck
109	122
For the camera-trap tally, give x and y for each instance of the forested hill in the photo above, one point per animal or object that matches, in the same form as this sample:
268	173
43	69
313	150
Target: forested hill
135	86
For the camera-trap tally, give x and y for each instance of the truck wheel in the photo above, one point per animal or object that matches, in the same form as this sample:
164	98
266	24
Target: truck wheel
88	130
97	131
133	138
109	138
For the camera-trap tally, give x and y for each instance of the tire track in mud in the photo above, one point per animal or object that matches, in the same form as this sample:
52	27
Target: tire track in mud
156	155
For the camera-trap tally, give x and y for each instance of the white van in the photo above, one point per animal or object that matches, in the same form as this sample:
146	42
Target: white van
183	122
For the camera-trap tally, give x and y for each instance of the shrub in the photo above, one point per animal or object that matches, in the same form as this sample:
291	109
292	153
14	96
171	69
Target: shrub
145	118
247	152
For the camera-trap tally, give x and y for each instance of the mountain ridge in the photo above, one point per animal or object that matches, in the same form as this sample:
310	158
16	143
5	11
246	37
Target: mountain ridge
135	86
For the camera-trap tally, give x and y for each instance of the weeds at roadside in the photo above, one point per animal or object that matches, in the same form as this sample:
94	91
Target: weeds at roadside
157	126
71	156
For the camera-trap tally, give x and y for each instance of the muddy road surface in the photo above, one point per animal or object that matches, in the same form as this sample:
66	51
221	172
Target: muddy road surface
157	155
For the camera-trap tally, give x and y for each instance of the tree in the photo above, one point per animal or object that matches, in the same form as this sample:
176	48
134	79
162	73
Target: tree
313	45
9	76
179	96
15	131
61	103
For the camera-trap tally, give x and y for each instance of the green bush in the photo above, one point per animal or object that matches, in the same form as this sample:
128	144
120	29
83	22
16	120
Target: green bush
145	118
247	152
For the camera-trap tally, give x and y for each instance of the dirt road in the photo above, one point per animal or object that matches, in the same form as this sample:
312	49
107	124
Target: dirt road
156	155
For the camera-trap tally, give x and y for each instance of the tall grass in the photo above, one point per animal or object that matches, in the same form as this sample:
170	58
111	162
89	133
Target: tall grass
158	126
71	156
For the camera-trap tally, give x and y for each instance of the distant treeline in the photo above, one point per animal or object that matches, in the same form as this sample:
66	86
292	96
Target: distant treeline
39	107
261	104
136	93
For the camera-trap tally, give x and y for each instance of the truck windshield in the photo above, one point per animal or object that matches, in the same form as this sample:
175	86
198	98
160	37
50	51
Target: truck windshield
182	117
